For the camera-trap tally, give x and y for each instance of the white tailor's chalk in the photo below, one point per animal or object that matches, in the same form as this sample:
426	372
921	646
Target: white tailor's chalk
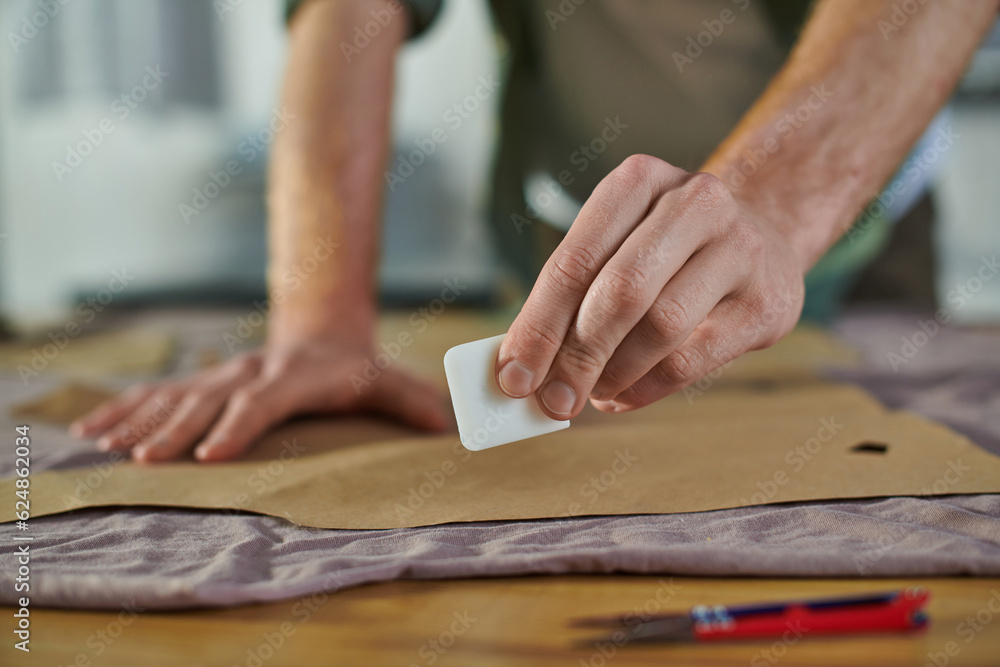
486	416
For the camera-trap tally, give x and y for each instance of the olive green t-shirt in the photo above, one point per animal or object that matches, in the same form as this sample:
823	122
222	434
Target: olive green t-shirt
590	82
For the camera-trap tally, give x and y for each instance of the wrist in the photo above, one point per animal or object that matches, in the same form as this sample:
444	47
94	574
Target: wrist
803	238
797	241
349	324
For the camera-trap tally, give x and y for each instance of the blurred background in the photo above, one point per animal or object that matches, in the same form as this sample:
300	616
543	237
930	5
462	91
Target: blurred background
115	114
114	200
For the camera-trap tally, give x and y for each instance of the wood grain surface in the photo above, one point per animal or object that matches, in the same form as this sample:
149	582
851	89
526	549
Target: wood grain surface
509	621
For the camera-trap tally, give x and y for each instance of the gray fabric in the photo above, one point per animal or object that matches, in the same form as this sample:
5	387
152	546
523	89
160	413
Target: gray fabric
171	559
160	559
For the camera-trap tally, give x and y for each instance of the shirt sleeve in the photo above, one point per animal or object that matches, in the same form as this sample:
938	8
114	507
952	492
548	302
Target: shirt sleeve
422	13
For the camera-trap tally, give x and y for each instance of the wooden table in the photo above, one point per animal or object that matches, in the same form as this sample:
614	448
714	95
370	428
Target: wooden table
522	621
508	621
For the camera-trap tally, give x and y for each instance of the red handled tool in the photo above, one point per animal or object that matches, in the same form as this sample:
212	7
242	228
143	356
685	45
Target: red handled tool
882	612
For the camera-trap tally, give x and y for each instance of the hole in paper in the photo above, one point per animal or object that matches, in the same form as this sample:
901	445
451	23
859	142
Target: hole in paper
870	448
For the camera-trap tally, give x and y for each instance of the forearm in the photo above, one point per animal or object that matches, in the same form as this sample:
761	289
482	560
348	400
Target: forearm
325	180
862	100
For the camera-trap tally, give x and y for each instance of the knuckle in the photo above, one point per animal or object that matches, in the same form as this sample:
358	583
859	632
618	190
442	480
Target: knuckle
683	365
668	318
540	336
623	290
705	192
578	358
636	170
611	381
573	268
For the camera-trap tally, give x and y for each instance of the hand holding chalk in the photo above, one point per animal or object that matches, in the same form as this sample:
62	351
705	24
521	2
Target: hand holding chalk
486	417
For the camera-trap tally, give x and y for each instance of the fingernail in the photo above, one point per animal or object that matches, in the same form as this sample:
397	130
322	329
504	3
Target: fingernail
76	429
515	379
558	397
204	450
103	444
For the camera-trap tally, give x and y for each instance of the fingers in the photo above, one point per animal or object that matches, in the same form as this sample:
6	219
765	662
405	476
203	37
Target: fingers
111	412
685	302
144	419
727	333
196	411
625	289
410	400
250	412
616	207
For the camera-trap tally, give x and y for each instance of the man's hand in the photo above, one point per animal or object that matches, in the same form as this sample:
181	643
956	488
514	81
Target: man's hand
325	183
223	410
667	275
664	277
